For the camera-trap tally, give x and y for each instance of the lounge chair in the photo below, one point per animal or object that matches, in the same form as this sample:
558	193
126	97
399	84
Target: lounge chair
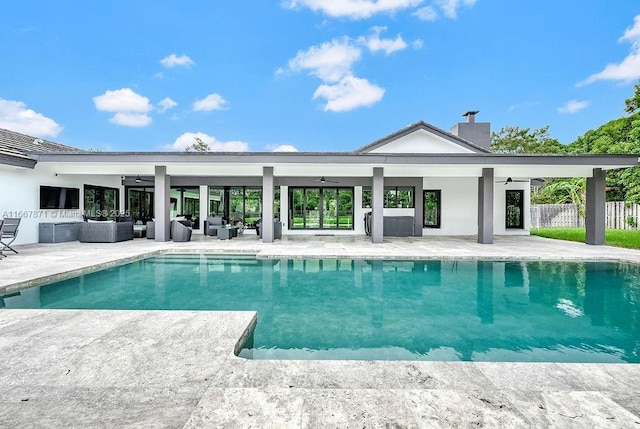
213	223
9	233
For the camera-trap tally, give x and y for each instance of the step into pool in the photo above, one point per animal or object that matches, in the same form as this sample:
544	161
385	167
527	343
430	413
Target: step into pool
469	310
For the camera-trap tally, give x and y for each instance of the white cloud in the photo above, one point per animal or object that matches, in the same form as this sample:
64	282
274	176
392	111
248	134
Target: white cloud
131	119
573	106
15	116
427	13
349	93
354	9
188	139
450	7
130	108
166	104
210	102
284	148
329	61
122	100
176	61
332	62
524	104
375	43
417	44
629	69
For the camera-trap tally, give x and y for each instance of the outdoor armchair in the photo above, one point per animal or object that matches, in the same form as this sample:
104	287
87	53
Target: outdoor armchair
9	233
213	223
181	230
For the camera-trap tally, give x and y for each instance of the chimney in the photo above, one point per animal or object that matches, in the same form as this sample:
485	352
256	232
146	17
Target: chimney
478	133
471	116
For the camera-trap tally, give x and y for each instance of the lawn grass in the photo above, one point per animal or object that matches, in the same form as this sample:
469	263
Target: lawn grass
613	237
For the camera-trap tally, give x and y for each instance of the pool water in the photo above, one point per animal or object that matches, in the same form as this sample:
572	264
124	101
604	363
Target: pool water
466	310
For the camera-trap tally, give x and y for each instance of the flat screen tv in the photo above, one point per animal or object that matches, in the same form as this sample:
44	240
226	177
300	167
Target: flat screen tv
55	197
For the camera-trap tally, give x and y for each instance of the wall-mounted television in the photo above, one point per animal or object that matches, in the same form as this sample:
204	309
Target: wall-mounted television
55	197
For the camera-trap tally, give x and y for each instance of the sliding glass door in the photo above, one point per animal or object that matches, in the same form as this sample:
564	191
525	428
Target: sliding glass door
320	208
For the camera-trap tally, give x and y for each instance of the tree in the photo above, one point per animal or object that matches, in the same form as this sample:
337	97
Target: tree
620	135
633	104
198	146
515	140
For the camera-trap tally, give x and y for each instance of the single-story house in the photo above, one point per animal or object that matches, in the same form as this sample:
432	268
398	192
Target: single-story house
418	181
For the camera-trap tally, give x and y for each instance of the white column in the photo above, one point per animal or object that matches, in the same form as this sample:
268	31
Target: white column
204	208
162	203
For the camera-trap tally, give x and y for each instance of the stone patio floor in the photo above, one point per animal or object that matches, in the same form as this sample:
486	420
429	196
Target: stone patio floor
177	369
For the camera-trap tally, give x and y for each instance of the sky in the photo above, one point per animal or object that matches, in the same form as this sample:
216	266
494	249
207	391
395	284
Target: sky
309	75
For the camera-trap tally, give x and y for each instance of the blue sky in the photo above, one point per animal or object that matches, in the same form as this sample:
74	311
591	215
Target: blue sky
309	75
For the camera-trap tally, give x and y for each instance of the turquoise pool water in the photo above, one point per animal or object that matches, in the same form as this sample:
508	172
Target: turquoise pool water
373	309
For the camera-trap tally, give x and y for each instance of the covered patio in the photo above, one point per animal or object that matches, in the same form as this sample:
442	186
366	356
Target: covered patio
476	182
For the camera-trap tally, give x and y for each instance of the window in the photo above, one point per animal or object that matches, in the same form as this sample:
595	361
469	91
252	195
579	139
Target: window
321	208
236	203
101	203
432	208
514	209
139	203
393	196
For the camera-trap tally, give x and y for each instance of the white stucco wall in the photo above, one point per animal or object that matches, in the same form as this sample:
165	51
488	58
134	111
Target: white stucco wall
500	208
20	197
459	205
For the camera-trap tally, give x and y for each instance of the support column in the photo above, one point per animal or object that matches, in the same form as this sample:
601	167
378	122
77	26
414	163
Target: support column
419	207
485	207
267	205
595	213
377	205
204	208
162	205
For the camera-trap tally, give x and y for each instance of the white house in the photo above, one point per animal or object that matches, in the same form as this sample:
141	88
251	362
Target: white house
419	181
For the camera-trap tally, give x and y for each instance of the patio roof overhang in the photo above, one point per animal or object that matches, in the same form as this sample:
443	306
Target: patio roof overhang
341	164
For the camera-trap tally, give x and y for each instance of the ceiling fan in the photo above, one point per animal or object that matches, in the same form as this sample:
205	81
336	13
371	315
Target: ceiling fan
510	180
324	180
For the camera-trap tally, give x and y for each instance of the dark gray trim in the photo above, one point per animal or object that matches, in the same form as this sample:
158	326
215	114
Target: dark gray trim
17	161
271	158
485	207
596	208
377	200
419	206
161	209
416	127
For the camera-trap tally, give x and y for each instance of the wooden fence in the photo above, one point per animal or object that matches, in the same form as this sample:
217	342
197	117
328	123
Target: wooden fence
618	215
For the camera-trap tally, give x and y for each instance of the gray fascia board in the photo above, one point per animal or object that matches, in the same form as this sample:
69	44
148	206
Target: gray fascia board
17	162
420	126
270	158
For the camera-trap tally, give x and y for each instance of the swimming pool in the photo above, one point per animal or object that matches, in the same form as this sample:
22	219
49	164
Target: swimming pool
471	310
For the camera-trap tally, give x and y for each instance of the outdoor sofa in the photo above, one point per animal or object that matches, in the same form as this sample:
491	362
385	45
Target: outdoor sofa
105	232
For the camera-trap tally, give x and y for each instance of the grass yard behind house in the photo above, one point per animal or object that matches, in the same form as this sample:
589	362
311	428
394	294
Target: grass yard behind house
614	237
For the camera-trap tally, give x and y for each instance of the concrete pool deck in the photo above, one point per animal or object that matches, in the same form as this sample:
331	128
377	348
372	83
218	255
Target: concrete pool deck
69	368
